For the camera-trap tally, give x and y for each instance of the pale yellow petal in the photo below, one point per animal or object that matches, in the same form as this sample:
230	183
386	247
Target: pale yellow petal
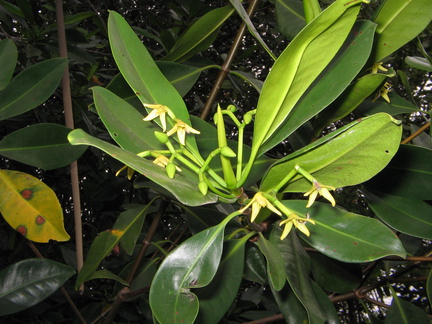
152	115
312	198
302	228
327	195
181	134
286	230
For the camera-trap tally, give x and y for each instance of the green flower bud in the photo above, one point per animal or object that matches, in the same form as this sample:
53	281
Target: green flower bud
161	137
203	187
247	118
170	170
227	152
232	108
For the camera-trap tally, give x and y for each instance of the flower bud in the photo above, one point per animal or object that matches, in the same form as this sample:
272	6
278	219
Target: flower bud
170	170
227	152
247	118
203	188
161	137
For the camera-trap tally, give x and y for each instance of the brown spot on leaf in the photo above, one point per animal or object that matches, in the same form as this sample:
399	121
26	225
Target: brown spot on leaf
22	230
26	193
40	220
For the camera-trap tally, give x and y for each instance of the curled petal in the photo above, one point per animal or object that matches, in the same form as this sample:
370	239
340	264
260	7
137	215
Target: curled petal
302	227
287	229
327	195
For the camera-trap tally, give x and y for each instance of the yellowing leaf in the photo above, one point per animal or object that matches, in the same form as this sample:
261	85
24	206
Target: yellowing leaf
31	207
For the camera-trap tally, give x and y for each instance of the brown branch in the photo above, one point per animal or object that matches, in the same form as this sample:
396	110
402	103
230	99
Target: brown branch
228	62
417	133
67	104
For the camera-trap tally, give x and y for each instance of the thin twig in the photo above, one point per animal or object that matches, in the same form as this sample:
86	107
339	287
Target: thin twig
146	243
228	62
67	104
417	133
62	289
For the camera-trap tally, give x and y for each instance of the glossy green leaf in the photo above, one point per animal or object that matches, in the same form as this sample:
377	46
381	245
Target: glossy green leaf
351	98
404	312
255	265
191	265
31	87
297	269
275	263
359	152
406	215
124	123
397	106
311	9
183	77
200	35
184	189
106	274
31	207
139	70
246	20
299	65
29	282
290	306
217	297
326	305
419	63
409	174
396	13
335	276
8	59
330	84
44	146
346	236
103	244
289	17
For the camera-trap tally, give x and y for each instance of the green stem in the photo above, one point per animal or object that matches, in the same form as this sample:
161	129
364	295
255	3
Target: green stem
285	180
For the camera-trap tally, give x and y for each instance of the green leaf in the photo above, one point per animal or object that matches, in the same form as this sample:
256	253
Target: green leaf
255	265
8	59
217	297
335	276
184	189
31	87
326	305
406	215
346	236
191	265
200	35
275	263
338	74
299	65
312	9
124	123
29	282
356	154
351	98
44	146
31	207
246	20
404	312
106	274
297	269
419	63
397	106
429	286
290	306
106	241
409	174
139	70
399	22
289	17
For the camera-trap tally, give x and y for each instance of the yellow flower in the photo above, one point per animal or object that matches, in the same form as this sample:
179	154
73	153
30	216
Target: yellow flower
163	161
158	111
378	67
384	92
258	202
181	128
322	190
298	222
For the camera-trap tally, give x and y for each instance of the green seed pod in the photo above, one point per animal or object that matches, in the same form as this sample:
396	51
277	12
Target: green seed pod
227	152
161	137
170	170
203	187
